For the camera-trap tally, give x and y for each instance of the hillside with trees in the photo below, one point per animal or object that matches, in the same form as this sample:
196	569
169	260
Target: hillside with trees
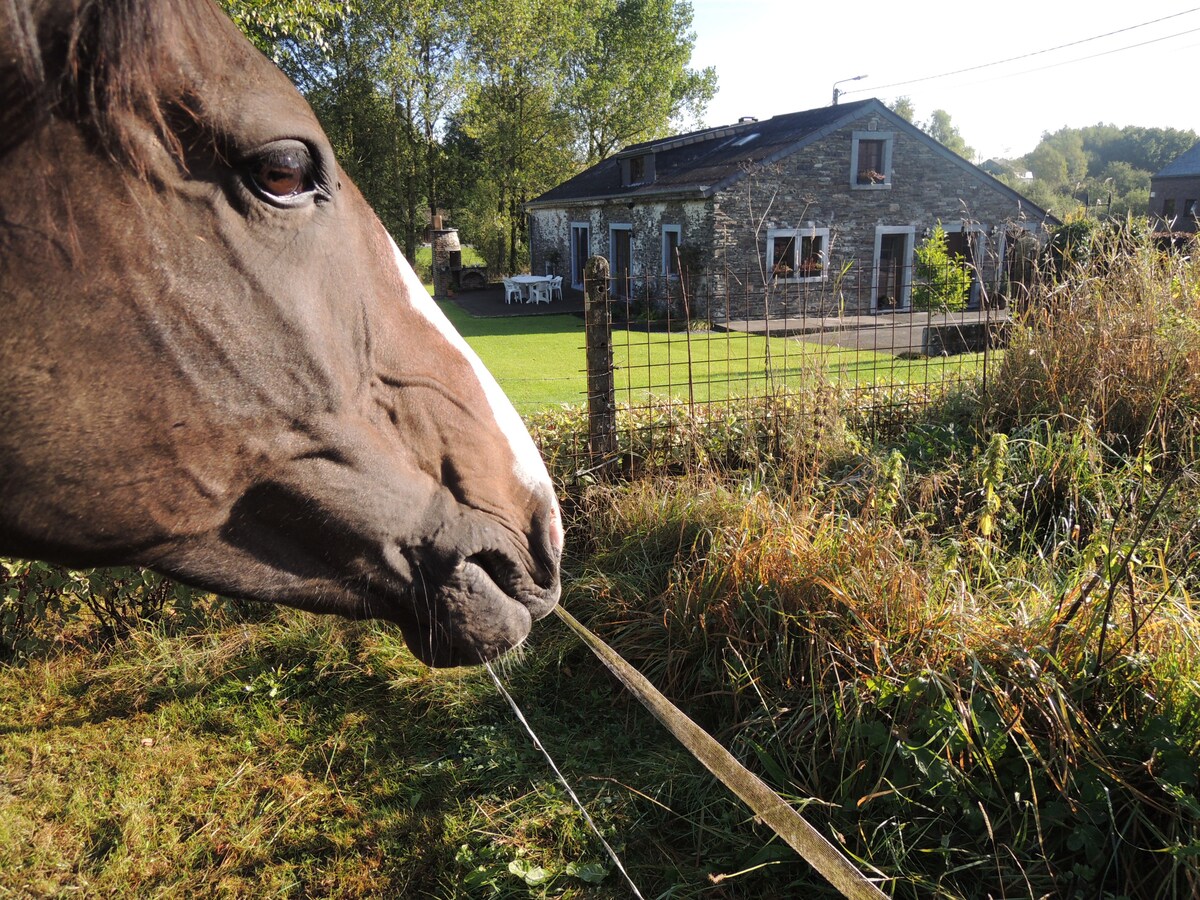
1102	169
474	108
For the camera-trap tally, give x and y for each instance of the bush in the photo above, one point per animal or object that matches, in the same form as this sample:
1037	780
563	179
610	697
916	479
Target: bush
941	282
40	601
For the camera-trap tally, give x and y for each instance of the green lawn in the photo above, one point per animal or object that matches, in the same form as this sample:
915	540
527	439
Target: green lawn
540	361
470	257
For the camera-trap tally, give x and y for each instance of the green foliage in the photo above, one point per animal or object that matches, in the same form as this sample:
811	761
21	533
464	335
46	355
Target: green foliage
941	129
1102	169
1070	246
903	107
40	602
277	25
629	77
473	108
941	282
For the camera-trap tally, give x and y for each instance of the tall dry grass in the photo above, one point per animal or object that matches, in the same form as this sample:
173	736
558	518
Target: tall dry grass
972	654
1116	338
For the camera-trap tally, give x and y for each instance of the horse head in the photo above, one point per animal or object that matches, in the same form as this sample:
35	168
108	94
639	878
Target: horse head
216	362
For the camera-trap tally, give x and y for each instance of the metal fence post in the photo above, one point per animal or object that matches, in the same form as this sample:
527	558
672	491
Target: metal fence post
602	403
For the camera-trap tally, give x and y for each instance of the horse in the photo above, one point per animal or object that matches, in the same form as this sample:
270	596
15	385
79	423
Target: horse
216	362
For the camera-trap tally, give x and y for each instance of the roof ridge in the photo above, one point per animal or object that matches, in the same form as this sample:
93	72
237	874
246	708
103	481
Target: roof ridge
682	140
720	131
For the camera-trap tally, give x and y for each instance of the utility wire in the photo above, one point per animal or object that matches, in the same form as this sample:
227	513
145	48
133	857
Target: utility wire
1067	62
1000	62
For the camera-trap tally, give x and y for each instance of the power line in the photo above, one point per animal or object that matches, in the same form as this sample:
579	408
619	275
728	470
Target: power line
1067	62
1000	62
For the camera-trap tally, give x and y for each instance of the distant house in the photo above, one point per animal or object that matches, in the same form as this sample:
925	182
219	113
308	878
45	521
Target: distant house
1175	192
803	204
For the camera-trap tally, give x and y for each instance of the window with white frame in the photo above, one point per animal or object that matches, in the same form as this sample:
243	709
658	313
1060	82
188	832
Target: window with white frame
670	250
797	254
871	160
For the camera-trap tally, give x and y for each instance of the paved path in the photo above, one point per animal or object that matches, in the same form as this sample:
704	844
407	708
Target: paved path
489	302
894	333
887	332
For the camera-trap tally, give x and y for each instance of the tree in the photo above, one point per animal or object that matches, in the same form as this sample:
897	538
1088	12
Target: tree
275	26
1101	169
425	73
480	103
903	107
629	78
941	282
941	129
513	107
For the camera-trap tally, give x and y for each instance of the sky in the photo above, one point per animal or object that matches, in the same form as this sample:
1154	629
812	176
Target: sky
781	56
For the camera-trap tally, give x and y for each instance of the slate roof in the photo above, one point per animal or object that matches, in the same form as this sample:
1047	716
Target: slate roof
1183	166
703	161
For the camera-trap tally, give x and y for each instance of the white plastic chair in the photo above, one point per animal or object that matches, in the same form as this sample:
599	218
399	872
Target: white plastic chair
539	292
556	287
511	291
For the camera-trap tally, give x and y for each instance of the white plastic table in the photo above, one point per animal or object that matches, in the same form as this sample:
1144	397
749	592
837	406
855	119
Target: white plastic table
525	282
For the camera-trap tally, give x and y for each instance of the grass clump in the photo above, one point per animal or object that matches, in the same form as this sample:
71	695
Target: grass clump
971	721
1116	339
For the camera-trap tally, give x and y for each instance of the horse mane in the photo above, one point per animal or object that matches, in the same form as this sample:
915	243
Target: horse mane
94	62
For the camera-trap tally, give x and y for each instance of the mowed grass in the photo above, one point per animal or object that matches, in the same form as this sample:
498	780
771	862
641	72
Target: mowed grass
299	756
541	362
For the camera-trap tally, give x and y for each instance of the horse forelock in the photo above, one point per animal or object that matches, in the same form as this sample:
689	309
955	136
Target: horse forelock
102	64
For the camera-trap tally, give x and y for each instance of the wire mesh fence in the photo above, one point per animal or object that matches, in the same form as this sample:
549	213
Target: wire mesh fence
667	353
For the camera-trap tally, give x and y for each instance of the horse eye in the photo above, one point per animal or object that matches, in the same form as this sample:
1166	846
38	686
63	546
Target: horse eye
283	172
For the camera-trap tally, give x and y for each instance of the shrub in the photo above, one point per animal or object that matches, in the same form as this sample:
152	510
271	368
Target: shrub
941	282
40	601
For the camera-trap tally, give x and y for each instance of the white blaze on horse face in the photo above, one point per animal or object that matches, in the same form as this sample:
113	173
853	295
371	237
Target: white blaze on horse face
530	468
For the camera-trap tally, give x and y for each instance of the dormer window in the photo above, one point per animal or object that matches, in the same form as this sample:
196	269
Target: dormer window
871	160
637	170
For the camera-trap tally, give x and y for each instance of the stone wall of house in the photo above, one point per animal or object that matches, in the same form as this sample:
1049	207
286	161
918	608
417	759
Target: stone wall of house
549	240
812	188
1184	194
550	236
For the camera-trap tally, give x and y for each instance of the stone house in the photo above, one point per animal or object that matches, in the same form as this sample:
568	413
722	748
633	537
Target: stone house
1175	193
810	212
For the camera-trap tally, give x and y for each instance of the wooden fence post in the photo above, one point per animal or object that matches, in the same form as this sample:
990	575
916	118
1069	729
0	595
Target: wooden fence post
602	403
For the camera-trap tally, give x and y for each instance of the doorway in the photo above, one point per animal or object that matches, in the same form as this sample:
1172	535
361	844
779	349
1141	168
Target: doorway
893	268
965	242
581	248
620	239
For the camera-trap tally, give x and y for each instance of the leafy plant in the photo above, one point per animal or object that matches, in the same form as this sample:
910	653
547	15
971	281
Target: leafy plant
941	281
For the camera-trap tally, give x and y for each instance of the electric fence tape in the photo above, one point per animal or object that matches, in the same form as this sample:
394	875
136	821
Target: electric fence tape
772	809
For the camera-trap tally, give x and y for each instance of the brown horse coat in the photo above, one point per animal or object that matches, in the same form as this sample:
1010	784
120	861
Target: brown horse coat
215	362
